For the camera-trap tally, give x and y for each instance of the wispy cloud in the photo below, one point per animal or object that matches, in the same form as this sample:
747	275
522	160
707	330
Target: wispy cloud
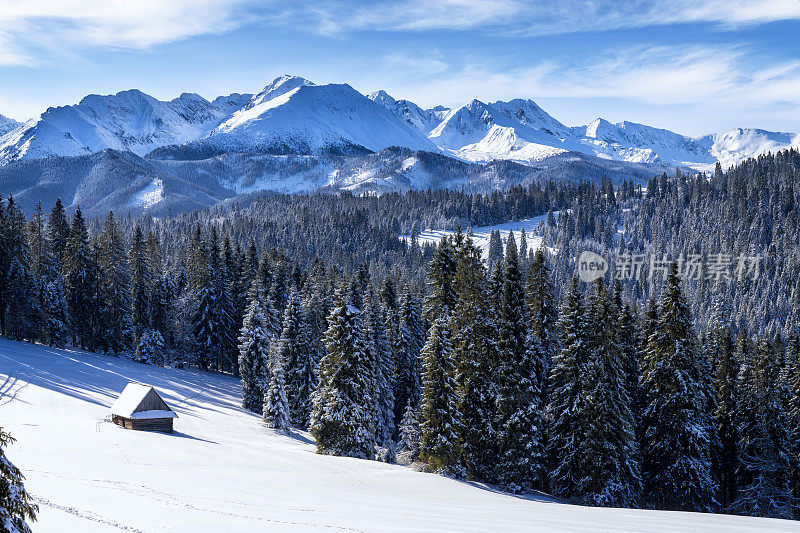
37	26
539	17
723	78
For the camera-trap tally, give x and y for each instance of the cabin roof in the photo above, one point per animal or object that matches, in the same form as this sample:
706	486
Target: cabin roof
139	400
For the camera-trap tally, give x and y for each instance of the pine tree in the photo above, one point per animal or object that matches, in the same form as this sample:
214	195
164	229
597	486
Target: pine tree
115	289
303	375
16	505
254	347
568	410
763	440
343	417
676	447
80	284
439	417
441	273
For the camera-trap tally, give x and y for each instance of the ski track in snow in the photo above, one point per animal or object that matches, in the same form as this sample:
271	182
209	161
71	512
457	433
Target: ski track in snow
224	470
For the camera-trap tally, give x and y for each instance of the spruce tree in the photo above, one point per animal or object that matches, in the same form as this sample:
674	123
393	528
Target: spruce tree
543	314
793	413
520	429
115	290
80	284
58	234
141	282
410	337
16	505
610	443
763	440
409	433
150	348
276	405
343	417
721	353
382	355
18	310
254	348
439	417
476	356
676	424
568	410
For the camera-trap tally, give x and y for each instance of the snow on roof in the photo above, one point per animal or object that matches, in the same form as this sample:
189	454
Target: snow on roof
130	403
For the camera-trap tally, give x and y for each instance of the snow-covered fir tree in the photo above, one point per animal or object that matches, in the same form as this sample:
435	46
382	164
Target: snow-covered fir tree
410	434
276	404
676	422
520	427
610	442
80	284
475	352
439	417
255	341
16	505
410	337
141	279
150	348
763	473
343	416
568	410
18	312
382	354
115	290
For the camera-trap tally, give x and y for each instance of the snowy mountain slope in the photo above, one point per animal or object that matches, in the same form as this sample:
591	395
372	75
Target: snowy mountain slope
483	132
106	180
223	470
294	116
7	124
520	130
739	144
129	120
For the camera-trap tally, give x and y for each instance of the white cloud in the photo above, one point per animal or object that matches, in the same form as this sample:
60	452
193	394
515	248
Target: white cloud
58	24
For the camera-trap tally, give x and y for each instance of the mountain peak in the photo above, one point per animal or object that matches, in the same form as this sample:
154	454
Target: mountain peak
279	86
8	124
382	97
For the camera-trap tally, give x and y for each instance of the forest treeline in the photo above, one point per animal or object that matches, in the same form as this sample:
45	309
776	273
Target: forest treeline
670	395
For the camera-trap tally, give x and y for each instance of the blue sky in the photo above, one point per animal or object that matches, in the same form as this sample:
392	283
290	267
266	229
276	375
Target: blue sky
694	66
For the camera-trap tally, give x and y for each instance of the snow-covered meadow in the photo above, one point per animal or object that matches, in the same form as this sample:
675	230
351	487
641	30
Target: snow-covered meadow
482	234
223	470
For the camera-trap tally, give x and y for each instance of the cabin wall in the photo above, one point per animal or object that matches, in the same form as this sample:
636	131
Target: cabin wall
163	425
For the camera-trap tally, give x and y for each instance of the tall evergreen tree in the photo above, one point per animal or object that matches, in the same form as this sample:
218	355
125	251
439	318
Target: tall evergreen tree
115	289
763	440
141	282
343	417
255	341
80	284
676	444
18	311
276	404
476	346
58	234
439	417
568	410
410	337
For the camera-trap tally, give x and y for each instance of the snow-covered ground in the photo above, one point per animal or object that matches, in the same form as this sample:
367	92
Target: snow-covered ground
223	470
482	234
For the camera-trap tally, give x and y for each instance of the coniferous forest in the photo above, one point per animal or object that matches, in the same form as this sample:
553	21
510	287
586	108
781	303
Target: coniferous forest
663	392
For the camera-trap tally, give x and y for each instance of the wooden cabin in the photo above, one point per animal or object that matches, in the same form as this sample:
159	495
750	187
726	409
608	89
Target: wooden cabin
140	407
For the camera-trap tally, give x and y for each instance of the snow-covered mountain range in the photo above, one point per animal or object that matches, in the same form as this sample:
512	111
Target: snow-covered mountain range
295	135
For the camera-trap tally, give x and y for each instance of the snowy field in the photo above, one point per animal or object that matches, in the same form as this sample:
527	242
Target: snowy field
481	235
223	470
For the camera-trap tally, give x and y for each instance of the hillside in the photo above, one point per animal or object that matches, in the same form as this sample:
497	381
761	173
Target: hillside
223	470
